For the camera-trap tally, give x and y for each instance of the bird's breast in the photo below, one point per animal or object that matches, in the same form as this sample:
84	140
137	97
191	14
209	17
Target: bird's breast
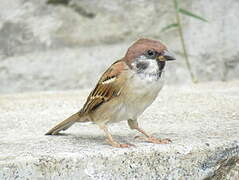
141	91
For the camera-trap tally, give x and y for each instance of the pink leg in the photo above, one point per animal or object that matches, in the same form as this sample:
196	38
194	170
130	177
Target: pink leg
133	124
110	139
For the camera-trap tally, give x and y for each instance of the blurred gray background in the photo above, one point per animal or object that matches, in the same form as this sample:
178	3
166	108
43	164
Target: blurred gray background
67	44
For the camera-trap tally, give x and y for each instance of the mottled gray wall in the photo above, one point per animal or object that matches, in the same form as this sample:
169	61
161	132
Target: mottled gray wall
54	47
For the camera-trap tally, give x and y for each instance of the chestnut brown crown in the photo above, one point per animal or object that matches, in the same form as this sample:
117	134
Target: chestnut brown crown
141	46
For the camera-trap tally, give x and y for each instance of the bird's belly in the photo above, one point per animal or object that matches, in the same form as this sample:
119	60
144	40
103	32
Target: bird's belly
111	112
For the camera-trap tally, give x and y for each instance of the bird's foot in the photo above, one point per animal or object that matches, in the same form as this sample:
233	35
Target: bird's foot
154	140
118	145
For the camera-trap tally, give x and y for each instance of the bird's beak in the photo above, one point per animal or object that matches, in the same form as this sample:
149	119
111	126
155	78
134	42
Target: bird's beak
166	56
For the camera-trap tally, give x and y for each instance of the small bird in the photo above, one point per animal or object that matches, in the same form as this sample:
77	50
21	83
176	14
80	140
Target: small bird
125	90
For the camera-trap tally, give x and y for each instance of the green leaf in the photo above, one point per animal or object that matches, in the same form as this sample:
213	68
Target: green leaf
56	2
176	4
188	13
170	26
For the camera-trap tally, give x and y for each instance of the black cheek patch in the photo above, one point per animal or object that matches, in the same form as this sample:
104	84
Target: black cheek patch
141	65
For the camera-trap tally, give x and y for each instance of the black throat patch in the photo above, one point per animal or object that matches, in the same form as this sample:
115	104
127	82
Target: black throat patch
161	65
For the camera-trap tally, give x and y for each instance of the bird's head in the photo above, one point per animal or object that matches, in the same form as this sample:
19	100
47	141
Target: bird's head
148	50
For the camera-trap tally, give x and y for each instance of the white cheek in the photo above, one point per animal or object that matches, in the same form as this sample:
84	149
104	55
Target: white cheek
153	67
152	64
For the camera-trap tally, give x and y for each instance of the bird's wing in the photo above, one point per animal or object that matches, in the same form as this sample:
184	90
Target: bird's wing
108	87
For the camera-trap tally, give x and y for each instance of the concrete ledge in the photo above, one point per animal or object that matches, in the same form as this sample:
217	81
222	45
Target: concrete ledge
202	120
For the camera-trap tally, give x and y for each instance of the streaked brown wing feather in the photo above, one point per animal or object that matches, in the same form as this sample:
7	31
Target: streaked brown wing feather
108	87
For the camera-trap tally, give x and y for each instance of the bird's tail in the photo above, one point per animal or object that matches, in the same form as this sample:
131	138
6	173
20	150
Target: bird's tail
66	124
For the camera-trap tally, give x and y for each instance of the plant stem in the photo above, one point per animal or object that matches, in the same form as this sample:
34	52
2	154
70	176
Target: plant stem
180	30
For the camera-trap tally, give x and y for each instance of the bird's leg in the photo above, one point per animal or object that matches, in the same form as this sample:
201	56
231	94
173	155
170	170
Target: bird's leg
110	139
133	124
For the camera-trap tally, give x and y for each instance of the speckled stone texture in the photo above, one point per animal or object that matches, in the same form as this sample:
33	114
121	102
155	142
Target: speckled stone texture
202	121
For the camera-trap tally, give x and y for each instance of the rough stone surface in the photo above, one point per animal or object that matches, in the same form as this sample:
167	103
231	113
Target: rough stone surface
67	69
202	121
30	28
37	24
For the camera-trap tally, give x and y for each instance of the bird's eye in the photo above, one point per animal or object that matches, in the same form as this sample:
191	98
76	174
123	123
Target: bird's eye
151	54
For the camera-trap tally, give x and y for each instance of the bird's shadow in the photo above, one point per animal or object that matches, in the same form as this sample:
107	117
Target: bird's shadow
85	139
99	139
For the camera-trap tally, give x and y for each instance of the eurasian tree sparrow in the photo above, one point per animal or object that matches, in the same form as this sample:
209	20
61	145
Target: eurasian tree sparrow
125	90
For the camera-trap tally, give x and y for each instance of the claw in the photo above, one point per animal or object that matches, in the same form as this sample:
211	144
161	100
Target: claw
118	145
